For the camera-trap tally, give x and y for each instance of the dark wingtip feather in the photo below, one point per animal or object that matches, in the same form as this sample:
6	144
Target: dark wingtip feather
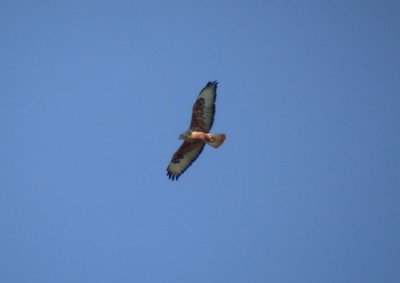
210	83
172	176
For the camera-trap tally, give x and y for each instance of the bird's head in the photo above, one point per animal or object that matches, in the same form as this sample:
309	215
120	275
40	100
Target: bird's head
184	135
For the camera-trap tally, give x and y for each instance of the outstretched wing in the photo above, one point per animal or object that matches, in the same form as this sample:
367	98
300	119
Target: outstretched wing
183	158
204	108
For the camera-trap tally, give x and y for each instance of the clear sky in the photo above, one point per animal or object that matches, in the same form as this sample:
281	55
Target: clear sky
93	97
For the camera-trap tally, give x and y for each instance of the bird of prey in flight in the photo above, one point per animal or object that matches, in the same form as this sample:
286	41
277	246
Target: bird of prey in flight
198	134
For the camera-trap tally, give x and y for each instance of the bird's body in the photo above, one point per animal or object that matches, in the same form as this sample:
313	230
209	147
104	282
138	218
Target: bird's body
214	140
198	134
193	136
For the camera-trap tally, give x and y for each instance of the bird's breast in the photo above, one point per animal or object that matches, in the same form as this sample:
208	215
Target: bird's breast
199	135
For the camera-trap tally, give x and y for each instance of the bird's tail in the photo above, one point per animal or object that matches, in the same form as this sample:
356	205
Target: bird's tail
216	140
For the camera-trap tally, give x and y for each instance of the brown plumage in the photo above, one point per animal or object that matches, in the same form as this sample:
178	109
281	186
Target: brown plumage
198	134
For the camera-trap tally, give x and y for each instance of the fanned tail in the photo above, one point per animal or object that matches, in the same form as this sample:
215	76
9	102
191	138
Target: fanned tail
216	140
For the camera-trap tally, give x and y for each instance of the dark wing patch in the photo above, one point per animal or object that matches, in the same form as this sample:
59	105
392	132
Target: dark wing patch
204	108
183	158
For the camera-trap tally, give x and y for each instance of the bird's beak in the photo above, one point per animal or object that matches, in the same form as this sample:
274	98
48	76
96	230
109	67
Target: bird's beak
180	137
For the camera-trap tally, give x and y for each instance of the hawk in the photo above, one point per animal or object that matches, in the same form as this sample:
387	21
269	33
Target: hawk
198	134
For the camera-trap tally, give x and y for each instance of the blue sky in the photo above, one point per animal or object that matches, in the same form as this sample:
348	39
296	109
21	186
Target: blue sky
94	95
